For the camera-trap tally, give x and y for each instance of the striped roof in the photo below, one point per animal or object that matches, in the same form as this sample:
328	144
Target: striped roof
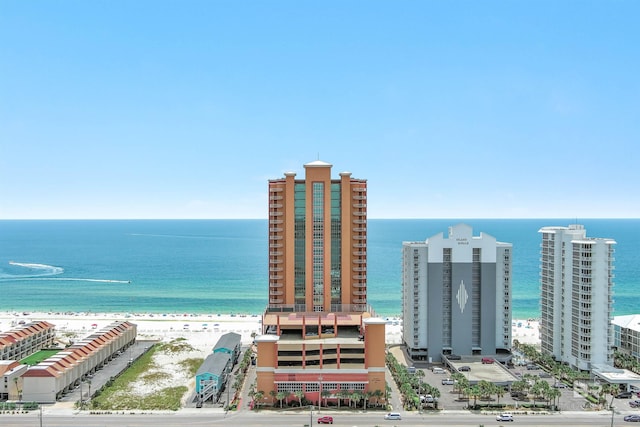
23	332
78	352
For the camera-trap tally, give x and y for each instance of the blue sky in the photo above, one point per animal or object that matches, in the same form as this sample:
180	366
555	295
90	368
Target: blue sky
450	109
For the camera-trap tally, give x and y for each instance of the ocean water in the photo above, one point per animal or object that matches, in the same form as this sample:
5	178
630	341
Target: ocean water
220	266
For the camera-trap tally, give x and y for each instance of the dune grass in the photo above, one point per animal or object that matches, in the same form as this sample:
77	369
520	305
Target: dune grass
118	396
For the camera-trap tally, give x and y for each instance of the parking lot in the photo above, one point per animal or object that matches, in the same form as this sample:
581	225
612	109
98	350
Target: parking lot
451	400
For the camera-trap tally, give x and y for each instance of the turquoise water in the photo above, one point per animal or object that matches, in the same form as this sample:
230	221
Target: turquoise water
220	266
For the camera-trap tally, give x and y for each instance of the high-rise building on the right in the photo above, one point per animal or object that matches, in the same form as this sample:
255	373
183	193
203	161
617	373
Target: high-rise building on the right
576	277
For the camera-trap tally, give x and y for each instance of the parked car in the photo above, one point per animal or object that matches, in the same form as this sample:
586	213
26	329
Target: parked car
532	367
325	420
518	395
505	416
544	375
392	416
624	395
487	360
448	381
427	399
559	384
632	418
635	403
438	371
464	368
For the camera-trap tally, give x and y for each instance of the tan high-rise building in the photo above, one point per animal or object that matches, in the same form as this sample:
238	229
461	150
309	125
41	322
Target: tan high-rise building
318	241
319	336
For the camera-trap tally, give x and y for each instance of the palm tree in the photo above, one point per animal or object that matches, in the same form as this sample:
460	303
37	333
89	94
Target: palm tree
325	395
273	394
461	384
281	395
378	394
357	396
342	394
499	392
435	392
257	397
367	396
475	392
554	394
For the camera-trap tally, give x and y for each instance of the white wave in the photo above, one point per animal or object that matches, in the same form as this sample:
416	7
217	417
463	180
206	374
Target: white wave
73	279
41	269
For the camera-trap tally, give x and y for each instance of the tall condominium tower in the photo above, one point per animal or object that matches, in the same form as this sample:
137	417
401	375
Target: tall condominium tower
318	241
456	295
576	277
318	334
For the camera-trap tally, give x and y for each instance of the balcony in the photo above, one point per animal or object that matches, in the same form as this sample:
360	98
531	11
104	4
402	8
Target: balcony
275	229
359	221
359	205
276	293
360	229
276	277
275	253
275	197
275	245
360	253
359	285
360	292
276	300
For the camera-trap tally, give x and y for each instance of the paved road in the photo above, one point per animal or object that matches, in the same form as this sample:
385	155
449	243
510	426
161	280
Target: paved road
269	418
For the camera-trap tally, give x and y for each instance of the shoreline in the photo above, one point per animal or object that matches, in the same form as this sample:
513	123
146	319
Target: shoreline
202	328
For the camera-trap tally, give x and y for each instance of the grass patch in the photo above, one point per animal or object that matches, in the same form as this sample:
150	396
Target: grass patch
154	377
176	346
38	357
191	365
118	396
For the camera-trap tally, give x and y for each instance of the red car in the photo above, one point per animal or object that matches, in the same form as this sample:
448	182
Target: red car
325	420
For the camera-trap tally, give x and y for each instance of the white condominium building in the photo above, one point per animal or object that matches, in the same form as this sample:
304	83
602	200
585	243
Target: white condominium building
456	295
576	277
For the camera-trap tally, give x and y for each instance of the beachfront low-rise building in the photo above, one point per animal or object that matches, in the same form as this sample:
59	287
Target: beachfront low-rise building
213	375
626	334
231	344
11	379
62	372
24	340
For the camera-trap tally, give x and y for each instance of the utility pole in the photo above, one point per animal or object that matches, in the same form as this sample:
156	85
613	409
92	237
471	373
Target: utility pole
319	393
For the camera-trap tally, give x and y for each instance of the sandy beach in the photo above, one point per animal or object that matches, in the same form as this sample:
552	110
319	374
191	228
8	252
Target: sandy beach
201	330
